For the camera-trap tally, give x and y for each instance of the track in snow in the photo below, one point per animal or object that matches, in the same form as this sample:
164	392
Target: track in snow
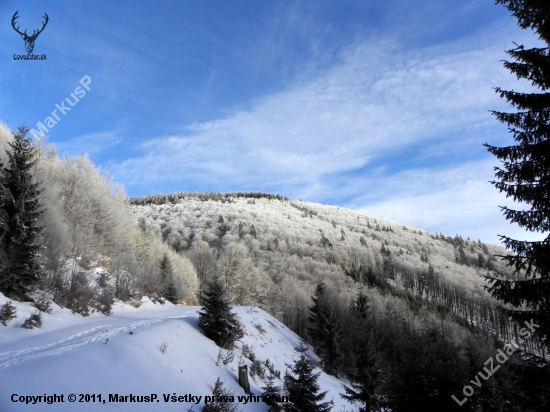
86	337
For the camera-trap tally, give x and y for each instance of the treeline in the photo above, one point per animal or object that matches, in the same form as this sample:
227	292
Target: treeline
173	198
482	259
82	245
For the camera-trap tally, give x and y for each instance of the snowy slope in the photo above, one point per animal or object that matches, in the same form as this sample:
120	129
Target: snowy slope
71	355
298	227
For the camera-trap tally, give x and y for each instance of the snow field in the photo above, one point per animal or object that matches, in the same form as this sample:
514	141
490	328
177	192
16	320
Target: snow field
121	354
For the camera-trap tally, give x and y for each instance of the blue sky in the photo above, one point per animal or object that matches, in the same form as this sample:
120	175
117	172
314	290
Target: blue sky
380	107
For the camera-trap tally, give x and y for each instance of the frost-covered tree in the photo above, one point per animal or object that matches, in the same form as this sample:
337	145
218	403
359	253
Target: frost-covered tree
233	264
184	283
202	257
143	241
204	260
91	205
21	210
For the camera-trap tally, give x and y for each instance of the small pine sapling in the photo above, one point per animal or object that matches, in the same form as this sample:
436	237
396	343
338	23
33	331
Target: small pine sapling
257	369
33	321
7	313
302	387
223	399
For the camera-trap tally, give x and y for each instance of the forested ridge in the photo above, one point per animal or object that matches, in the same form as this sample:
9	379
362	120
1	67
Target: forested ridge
283	241
414	286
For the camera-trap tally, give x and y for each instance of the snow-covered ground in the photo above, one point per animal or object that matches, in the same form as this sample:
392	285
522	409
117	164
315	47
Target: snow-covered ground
121	355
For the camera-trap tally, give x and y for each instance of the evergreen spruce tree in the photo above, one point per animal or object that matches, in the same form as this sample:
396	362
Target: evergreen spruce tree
220	394
427	372
167	279
525	173
317	315
302	388
330	343
367	375
216	319
271	393
20	210
361	305
324	330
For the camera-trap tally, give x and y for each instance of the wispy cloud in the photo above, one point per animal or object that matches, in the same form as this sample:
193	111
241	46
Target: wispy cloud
454	200
90	143
380	99
357	111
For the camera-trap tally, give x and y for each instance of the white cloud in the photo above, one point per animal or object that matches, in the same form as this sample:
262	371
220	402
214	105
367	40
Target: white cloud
457	200
90	143
308	139
375	100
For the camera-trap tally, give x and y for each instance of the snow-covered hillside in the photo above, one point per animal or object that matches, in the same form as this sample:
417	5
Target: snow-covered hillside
121	355
325	235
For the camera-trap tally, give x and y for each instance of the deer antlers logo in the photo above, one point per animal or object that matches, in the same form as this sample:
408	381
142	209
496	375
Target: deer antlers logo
29	40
